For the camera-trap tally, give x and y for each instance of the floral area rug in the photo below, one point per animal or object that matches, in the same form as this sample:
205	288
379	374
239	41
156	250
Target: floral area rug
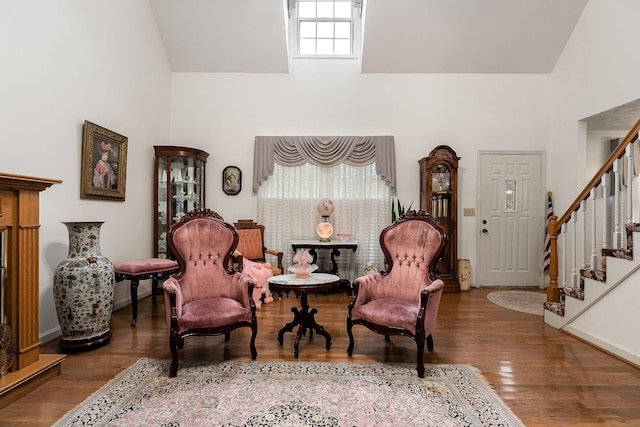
256	393
531	302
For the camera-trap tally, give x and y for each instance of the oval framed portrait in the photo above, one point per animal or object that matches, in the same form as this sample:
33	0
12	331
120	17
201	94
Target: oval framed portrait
231	180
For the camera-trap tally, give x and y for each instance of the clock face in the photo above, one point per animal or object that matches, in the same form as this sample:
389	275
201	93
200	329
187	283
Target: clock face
441	179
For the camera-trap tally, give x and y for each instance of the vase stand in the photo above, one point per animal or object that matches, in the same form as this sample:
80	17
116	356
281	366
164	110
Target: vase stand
74	346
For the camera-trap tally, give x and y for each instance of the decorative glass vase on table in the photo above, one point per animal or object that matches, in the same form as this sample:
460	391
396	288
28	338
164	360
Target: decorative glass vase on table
83	290
303	266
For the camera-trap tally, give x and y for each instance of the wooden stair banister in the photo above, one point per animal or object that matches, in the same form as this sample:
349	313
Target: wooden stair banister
555	223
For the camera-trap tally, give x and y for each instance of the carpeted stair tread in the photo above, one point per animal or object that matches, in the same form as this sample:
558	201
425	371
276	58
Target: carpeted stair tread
632	226
599	275
577	293
623	253
555	307
616	253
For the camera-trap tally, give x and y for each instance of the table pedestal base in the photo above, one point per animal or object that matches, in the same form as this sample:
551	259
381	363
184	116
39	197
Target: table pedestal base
305	320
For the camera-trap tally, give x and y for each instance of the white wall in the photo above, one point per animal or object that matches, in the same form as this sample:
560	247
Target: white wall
222	113
598	70
599	149
611	324
64	62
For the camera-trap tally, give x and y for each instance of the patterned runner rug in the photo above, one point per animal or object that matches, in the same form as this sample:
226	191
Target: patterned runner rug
254	393
531	302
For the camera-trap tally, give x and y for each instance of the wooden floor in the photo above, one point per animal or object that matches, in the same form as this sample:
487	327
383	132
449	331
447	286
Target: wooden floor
546	377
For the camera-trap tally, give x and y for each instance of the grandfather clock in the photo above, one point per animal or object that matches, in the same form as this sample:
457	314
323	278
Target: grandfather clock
439	197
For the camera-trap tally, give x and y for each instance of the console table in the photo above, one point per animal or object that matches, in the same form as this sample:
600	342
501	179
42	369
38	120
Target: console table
335	246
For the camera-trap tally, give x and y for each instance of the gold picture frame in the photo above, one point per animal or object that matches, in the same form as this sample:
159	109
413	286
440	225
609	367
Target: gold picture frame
104	163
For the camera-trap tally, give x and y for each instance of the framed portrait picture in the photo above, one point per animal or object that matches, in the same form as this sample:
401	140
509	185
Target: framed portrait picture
231	180
104	163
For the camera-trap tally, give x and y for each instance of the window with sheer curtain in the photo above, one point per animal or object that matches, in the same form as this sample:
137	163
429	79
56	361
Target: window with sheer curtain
357	174
287	204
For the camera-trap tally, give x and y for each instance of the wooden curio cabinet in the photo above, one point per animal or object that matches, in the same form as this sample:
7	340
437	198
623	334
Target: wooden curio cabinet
179	188
439	197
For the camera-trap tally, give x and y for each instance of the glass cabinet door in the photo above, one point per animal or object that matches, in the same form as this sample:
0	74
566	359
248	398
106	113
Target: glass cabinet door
180	188
162	209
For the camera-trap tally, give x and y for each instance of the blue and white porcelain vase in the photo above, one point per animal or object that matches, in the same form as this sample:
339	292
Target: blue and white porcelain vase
83	290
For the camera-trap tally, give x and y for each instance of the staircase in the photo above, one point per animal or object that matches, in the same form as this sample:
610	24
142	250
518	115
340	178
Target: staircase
593	283
594	294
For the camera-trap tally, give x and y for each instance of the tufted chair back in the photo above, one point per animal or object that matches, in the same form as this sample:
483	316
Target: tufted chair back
206	297
403	299
203	247
411	248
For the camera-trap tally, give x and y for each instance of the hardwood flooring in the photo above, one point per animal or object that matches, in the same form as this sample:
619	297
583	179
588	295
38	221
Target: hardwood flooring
546	377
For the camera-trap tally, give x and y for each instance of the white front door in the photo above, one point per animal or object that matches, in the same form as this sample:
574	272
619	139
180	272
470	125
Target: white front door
511	219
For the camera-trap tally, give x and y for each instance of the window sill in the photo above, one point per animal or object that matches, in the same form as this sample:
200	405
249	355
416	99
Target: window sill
323	57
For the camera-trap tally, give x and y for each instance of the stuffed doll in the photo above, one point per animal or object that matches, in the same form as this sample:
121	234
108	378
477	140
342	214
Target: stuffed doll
259	273
369	268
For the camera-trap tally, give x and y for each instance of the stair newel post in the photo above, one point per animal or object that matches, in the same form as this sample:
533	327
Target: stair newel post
553	292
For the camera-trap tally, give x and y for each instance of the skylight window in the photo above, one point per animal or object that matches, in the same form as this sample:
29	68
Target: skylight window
325	28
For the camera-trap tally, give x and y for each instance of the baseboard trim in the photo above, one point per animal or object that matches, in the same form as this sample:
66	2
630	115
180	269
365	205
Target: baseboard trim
55	333
618	353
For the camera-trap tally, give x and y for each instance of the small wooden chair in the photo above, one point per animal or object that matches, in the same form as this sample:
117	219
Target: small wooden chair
251	246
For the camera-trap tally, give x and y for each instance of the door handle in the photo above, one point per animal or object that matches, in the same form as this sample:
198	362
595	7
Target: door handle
485	231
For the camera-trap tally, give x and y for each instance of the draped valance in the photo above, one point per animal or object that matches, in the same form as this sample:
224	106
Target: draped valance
324	151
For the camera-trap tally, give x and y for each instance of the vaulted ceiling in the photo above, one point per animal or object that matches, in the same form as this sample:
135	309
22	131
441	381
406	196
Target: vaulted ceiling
400	36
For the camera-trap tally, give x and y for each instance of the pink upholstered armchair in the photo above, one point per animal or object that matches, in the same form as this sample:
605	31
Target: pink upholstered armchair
206	297
404	299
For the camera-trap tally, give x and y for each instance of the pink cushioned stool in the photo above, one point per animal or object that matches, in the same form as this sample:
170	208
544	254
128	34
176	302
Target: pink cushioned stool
143	269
